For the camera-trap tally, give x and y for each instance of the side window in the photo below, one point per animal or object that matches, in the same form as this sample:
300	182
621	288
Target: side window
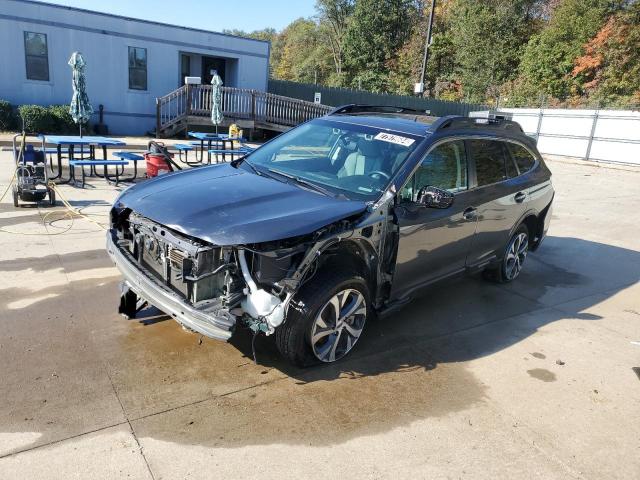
137	68
512	170
444	167
522	157
489	156
36	56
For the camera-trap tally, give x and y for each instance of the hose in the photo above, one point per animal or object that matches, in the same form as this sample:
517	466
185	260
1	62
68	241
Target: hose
70	212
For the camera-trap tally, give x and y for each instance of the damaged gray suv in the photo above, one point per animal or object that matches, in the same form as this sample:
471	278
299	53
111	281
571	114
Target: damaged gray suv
342	218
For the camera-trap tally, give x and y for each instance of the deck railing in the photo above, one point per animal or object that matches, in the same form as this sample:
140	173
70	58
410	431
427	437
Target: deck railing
237	103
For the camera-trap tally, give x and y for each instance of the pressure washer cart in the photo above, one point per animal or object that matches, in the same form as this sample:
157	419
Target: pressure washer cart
32	180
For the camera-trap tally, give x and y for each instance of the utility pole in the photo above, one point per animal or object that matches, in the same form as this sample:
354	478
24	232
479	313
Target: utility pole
419	87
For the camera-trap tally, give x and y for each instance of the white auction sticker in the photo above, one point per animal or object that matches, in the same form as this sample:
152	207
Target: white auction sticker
397	139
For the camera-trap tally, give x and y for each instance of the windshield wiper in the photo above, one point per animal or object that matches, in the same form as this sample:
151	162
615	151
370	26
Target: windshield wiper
304	182
235	163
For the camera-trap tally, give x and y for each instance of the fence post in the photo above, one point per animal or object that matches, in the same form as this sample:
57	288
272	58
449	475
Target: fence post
592	134
187	110
540	115
158	122
253	107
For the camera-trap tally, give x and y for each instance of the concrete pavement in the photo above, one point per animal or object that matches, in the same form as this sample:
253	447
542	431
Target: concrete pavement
472	380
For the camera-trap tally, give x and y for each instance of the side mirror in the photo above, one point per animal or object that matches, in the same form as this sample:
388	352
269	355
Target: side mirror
434	197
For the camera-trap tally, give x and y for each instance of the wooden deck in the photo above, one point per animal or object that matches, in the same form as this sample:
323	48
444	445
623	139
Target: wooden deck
190	105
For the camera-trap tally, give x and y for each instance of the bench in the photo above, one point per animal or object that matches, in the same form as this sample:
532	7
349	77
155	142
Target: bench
183	147
94	163
54	150
132	157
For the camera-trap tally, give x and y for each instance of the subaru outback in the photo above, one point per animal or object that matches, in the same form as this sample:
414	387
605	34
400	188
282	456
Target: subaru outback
337	220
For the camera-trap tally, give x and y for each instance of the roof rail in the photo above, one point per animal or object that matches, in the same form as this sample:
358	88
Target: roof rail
356	108
498	122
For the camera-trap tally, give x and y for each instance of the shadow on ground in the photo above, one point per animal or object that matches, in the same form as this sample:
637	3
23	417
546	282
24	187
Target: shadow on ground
178	387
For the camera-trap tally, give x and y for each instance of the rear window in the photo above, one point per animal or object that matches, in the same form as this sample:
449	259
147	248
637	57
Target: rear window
522	157
489	156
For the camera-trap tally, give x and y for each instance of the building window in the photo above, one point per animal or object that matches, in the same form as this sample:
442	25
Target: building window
36	56
137	68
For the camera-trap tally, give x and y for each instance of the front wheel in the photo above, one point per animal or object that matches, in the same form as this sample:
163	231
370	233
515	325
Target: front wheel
514	256
325	320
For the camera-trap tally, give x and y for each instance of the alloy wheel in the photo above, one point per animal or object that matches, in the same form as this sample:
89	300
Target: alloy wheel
338	325
516	255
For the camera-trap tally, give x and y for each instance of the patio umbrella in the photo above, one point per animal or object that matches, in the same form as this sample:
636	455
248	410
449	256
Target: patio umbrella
80	108
216	101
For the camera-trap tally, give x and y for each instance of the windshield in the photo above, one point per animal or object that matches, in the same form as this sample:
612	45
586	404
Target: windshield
355	161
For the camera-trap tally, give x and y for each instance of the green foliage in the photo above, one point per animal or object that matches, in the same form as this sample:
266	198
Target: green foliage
609	71
64	122
334	16
300	54
52	119
8	120
549	56
488	39
376	31
37	119
513	51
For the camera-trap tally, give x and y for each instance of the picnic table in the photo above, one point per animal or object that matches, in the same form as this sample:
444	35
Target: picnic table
219	139
237	152
73	141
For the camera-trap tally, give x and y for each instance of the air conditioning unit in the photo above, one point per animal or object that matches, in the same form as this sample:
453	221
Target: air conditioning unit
192	80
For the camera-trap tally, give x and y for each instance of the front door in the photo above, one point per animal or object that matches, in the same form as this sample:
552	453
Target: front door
434	242
209	65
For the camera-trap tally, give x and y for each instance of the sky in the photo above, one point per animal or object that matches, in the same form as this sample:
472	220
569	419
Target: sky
215	15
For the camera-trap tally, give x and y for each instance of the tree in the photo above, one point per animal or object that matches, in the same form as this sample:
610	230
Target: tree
299	53
334	18
488	39
376	31
548	59
406	66
609	70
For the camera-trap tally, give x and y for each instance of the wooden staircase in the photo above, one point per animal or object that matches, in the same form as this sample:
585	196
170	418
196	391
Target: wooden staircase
190	105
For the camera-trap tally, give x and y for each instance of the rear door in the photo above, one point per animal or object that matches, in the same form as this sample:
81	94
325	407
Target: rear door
434	242
499	198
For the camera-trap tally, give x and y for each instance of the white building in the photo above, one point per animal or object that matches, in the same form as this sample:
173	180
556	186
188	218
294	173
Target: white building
130	62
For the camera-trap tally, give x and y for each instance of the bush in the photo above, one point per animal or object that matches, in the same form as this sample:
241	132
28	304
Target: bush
8	120
65	123
37	119
52	119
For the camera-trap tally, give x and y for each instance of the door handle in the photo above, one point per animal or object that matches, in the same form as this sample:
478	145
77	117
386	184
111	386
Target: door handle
520	196
470	213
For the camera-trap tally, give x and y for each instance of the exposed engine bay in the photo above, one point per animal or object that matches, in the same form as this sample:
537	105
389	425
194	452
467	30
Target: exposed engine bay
251	284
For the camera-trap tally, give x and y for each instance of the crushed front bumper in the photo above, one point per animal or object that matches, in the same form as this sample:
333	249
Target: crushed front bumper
208	323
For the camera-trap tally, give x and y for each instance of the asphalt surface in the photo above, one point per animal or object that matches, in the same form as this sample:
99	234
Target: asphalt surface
472	380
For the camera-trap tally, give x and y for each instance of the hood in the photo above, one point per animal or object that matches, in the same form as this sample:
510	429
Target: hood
225	205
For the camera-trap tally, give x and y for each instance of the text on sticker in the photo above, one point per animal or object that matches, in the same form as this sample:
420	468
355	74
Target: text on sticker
397	139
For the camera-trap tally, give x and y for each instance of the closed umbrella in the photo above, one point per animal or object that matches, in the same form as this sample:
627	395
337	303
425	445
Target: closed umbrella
80	108
216	101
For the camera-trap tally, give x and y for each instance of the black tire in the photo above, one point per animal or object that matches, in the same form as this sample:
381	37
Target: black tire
52	197
293	338
16	200
501	273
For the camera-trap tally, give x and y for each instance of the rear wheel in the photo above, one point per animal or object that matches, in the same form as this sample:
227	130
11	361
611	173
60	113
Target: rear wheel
52	197
513	259
16	201
325	320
